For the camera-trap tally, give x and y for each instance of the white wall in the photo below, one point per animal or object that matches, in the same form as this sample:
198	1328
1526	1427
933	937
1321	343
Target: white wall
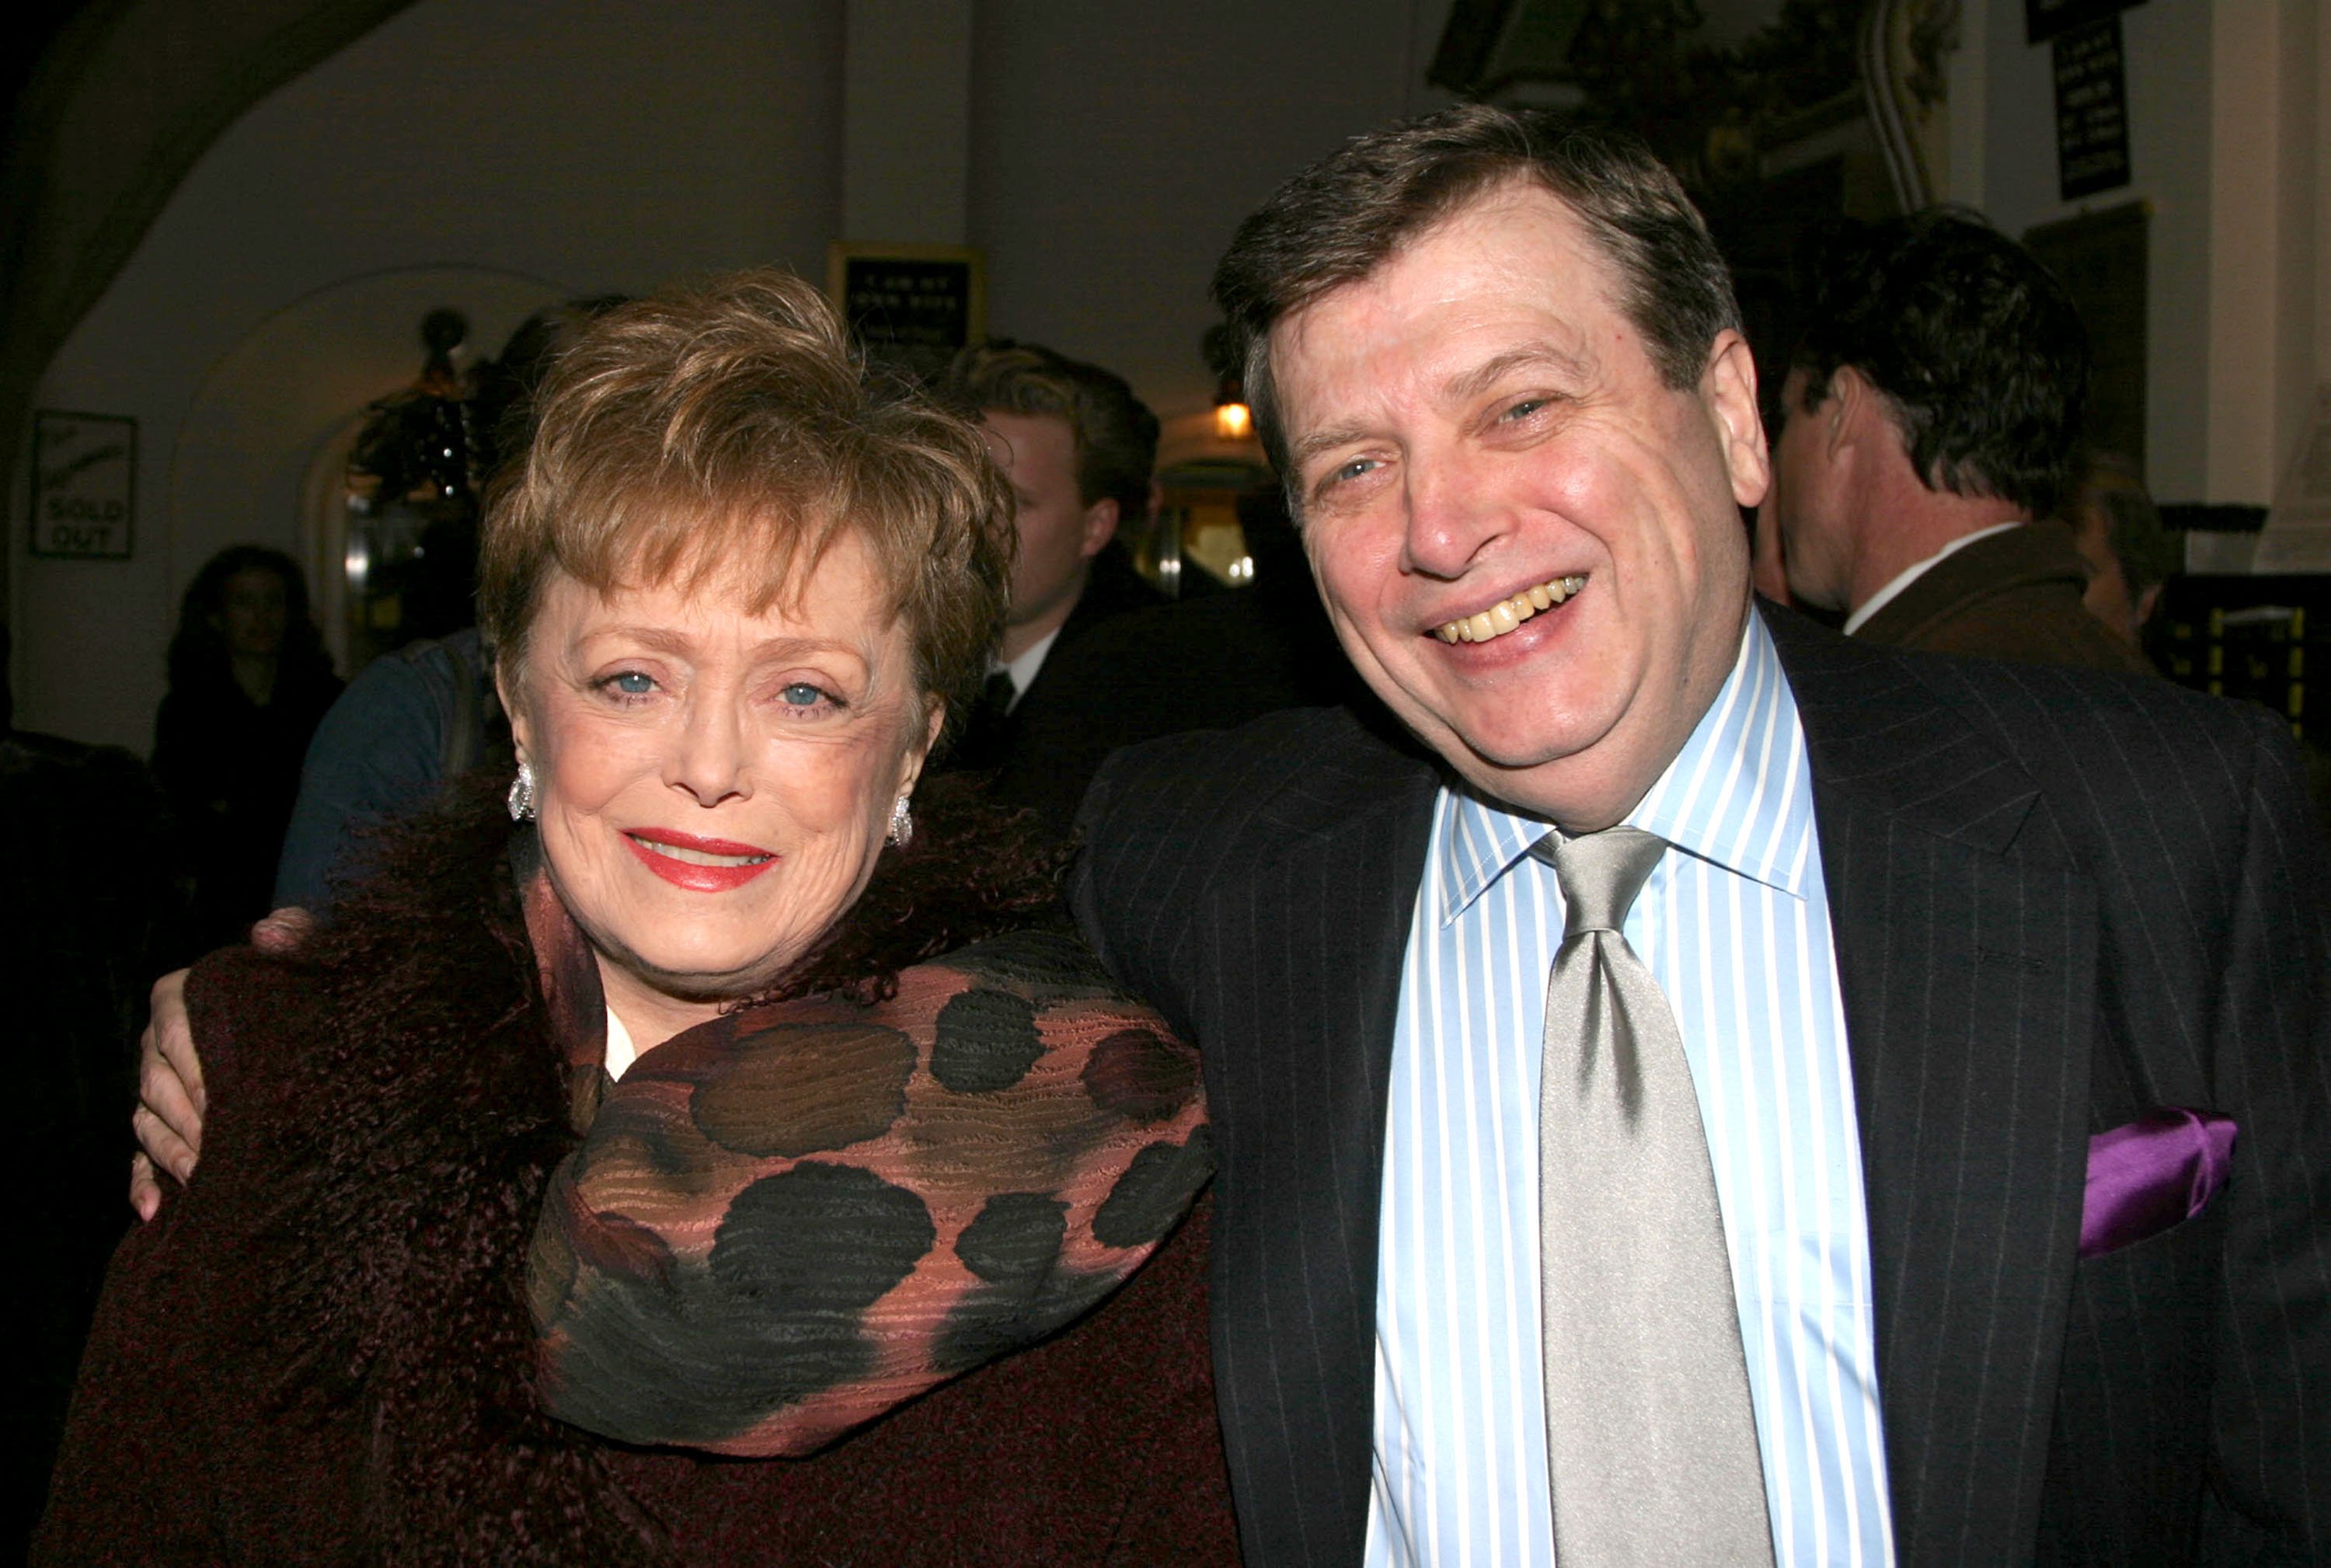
535	150
589	146
2224	139
1114	148
2167	44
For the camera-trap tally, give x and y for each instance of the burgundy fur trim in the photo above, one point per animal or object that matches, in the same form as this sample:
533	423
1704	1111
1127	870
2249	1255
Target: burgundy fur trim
440	1108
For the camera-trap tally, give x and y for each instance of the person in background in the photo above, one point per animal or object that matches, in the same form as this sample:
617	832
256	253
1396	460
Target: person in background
427	712
726	1002
1080	450
249	682
2131	556
1930	438
1211	662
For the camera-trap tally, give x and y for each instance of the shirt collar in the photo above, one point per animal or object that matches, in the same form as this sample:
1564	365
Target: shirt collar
1911	573
1023	669
1739	793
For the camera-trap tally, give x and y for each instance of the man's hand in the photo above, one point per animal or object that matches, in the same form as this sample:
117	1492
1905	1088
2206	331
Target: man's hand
168	1120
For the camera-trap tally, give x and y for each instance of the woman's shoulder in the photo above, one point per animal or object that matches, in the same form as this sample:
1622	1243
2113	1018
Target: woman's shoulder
429	947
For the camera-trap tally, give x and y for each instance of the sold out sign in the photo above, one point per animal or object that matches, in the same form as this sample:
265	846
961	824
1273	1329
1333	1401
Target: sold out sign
85	484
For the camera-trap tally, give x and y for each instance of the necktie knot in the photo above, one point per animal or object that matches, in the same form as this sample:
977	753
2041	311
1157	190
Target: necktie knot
986	729
1600	874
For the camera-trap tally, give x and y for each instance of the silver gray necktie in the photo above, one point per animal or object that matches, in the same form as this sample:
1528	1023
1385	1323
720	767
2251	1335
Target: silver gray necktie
1650	1444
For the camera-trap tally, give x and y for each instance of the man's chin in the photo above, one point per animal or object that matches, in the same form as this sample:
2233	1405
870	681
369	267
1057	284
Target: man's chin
1576	780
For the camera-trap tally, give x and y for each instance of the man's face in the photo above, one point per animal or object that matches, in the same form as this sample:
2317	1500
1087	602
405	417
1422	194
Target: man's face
2106	596
1058	533
1475	422
1807	501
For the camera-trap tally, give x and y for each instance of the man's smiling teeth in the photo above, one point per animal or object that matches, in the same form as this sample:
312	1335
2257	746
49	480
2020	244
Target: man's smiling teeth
697	857
1508	614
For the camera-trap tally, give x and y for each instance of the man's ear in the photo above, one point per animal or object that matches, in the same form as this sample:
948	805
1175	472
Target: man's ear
1729	386
1100	526
1852	402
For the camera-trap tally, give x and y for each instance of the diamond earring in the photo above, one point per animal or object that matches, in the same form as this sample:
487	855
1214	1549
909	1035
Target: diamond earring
521	792
902	823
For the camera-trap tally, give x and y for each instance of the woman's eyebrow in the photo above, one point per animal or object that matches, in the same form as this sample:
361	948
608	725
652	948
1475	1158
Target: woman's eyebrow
679	644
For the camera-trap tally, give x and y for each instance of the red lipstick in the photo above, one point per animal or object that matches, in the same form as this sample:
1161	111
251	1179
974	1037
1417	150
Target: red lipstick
691	875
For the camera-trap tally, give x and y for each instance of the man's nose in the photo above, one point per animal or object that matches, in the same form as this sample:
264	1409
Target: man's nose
1451	518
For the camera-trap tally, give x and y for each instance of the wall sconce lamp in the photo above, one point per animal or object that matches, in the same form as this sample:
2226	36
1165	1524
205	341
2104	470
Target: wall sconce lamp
1233	420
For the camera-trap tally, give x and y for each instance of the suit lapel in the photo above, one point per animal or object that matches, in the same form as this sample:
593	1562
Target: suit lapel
1966	948
1309	941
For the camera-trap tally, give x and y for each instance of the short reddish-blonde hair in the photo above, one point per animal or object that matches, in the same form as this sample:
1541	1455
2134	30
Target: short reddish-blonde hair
731	421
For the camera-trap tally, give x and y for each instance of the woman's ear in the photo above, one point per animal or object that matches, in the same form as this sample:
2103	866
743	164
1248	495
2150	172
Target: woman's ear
921	754
508	688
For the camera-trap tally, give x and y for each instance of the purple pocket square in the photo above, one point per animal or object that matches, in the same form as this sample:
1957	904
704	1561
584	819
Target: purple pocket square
2160	1170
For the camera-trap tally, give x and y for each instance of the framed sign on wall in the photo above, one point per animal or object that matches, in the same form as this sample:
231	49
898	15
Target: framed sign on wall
910	305
84	499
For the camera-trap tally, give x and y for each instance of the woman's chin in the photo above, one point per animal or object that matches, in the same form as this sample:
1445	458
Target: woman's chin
694	974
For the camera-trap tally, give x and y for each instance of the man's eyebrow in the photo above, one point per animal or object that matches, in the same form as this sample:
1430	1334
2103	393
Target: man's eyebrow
1460	388
1319	440
1472	384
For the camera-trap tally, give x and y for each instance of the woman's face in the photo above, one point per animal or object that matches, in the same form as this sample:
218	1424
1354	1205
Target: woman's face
713	786
252	610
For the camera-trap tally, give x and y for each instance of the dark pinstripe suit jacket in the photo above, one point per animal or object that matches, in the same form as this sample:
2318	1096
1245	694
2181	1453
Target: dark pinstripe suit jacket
2060	898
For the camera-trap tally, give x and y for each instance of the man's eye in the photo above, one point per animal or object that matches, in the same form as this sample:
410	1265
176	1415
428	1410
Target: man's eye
1525	408
801	694
631	682
1352	470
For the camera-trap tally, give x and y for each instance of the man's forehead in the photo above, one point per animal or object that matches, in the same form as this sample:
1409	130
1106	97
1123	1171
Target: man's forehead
1518	210
1473	296
1009	433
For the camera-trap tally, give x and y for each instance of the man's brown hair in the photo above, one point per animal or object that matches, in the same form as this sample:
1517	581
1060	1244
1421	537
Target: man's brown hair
708	427
1345	216
1115	432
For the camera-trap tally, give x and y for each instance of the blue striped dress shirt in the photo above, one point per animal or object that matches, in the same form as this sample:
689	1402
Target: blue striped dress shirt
1734	924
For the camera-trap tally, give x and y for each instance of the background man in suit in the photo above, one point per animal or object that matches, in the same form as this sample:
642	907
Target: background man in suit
1095	657
1079	450
1927	928
1931	437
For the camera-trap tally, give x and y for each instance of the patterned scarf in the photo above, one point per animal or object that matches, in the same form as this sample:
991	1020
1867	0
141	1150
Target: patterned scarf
784	1222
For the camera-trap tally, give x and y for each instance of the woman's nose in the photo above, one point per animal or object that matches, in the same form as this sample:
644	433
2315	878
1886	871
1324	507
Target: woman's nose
709	754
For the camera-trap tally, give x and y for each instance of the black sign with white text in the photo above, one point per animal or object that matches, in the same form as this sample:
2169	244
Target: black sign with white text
2091	110
2043	19
897	301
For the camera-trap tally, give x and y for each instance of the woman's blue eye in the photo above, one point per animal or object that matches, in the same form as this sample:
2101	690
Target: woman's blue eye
632	683
802	694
